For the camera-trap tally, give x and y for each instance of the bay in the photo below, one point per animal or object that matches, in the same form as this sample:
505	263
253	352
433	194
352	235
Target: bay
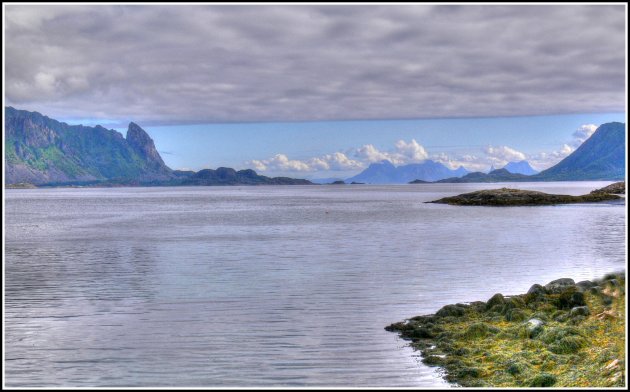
283	286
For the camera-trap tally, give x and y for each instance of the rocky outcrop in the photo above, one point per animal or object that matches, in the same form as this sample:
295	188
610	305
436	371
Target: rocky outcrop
518	197
140	141
562	334
618	188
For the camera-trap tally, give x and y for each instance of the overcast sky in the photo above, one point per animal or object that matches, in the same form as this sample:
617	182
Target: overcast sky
198	64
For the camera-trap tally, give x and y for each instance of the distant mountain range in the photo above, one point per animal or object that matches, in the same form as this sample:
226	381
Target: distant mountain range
498	175
520	167
600	157
43	151
385	172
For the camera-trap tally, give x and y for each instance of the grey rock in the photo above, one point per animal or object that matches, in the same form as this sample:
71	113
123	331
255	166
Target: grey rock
534	326
559	285
580	311
536	289
584	285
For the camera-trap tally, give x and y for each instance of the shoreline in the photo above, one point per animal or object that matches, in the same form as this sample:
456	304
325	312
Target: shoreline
563	334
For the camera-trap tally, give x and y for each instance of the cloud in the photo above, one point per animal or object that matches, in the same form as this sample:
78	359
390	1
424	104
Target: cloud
197	63
584	132
470	162
337	161
404	153
545	160
370	153
501	155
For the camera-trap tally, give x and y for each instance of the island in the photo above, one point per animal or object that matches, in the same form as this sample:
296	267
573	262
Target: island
563	334
519	197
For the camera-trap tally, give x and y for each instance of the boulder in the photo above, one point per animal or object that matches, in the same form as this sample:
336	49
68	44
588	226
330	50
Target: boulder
580	311
536	289
584	285
451	310
559	285
534	326
496	299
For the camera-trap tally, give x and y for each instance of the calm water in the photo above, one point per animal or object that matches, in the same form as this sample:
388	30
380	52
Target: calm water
268	286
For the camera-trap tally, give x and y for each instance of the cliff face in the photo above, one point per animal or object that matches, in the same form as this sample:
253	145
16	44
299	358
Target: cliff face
140	141
41	150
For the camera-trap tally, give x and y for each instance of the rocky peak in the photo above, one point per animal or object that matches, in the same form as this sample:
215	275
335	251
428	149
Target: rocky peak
142	142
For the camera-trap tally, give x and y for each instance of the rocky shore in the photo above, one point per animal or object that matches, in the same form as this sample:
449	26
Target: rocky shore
618	188
563	334
518	197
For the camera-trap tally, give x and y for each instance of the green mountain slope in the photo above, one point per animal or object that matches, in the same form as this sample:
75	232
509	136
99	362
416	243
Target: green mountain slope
42	150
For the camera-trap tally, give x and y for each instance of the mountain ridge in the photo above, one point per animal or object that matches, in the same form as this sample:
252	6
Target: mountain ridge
520	167
600	157
46	152
384	172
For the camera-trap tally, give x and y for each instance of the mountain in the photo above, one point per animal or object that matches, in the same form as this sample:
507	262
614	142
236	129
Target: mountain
600	157
499	175
385	172
41	150
377	173
229	176
328	180
520	167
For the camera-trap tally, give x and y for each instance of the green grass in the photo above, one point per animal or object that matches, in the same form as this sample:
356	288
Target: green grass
491	346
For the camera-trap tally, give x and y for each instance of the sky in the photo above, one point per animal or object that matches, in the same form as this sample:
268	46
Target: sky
324	90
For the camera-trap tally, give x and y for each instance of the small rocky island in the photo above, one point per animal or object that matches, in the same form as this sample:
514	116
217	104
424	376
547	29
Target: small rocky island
563	334
519	197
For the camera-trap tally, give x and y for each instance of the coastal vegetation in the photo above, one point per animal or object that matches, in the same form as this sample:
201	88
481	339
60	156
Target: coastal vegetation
563	334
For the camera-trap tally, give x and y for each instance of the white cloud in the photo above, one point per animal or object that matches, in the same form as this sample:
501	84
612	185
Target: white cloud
545	160
504	153
370	153
412	151
584	132
468	161
280	162
404	153
337	161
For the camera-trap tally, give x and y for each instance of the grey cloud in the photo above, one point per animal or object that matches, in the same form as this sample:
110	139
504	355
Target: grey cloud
163	64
